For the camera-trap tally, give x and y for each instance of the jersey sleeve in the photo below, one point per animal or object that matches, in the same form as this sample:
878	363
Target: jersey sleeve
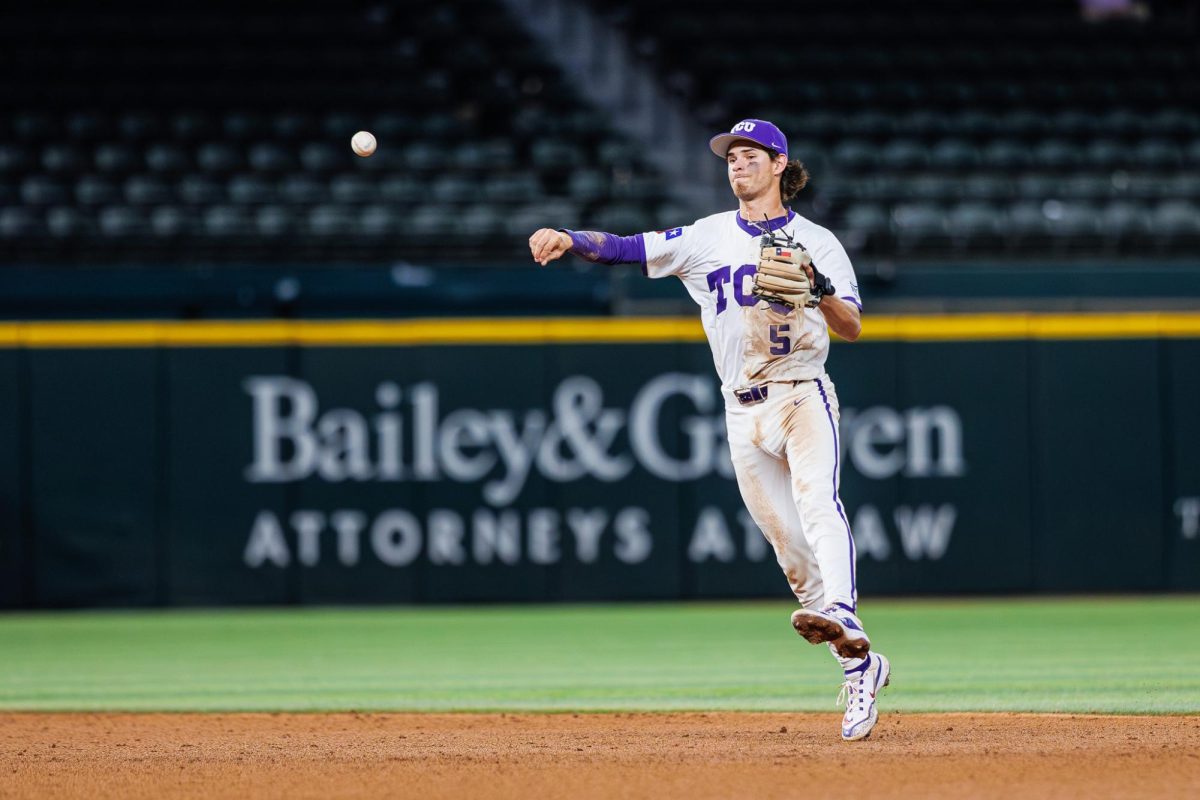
830	258
670	252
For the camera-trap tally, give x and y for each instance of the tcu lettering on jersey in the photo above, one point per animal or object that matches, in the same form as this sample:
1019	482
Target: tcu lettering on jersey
720	277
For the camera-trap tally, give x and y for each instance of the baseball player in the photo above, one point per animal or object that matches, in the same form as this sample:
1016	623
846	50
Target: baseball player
770	284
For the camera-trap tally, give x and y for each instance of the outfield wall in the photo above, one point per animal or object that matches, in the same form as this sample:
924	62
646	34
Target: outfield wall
553	459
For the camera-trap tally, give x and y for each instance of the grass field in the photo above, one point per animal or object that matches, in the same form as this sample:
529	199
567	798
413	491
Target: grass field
1070	655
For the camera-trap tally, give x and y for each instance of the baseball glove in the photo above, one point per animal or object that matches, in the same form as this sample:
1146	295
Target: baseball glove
781	278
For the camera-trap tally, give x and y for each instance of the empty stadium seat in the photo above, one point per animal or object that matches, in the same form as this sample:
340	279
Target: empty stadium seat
525	219
67	222
302	189
141	126
244	127
1006	154
514	188
986	186
377	221
855	155
1177	218
168	222
115	158
585	185
13	159
975	223
321	158
331	221
556	156
62	159
94	190
273	221
1057	154
427	221
166	158
221	221
953	155
42	190
495	154
200	190
903	154
271	158
147	190
454	189
218	158
480	220
351	189
622	219
33	126
869	219
1124	220
250	189
1070	219
1026	220
120	222
17	223
402	189
1157	154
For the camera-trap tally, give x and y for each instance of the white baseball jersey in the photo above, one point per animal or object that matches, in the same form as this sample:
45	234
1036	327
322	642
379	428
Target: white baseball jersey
752	341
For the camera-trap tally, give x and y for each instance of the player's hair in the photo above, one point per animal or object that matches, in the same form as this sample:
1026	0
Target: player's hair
793	179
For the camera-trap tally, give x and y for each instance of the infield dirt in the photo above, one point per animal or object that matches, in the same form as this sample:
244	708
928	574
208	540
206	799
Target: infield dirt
582	756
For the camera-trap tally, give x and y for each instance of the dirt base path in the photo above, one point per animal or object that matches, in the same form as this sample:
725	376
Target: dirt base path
586	756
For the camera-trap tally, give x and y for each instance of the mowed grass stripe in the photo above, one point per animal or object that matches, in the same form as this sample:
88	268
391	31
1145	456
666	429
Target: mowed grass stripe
1068	655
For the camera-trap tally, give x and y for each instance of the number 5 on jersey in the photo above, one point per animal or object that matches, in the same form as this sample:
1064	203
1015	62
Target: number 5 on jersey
781	343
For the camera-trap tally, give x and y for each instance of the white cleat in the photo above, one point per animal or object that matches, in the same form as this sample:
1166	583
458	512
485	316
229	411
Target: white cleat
835	625
858	692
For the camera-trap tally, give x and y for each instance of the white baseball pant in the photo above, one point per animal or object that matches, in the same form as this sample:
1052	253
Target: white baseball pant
785	453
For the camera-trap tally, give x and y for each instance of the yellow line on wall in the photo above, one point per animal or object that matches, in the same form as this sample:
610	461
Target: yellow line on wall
569	330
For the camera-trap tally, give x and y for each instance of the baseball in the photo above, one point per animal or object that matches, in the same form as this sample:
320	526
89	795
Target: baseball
363	143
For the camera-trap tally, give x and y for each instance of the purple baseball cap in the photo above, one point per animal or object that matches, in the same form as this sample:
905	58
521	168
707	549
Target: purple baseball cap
756	130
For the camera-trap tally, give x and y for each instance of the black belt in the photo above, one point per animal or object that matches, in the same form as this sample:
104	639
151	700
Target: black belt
753	395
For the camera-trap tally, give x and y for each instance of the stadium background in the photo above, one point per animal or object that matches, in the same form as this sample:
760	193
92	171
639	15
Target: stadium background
187	238
242	367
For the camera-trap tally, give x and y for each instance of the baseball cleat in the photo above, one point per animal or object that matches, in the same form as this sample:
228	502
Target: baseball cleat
835	625
858	692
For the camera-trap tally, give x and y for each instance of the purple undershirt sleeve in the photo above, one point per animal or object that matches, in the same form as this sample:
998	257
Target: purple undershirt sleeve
608	248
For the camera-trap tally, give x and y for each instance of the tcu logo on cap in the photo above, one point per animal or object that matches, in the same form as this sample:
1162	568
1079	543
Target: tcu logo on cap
742	126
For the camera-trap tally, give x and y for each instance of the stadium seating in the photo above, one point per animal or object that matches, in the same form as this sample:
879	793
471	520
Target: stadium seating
215	132
939	128
219	132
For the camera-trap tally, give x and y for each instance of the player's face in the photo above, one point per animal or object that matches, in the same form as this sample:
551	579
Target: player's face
752	172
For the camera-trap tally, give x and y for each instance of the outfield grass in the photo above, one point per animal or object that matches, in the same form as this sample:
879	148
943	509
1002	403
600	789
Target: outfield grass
1071	655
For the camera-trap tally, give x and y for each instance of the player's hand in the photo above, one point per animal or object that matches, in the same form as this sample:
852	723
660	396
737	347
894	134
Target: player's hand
547	245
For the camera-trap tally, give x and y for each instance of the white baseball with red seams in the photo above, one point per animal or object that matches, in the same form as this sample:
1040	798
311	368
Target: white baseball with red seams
785	448
363	143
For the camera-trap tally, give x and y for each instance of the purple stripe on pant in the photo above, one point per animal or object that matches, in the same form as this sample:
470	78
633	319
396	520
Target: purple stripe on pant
837	502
